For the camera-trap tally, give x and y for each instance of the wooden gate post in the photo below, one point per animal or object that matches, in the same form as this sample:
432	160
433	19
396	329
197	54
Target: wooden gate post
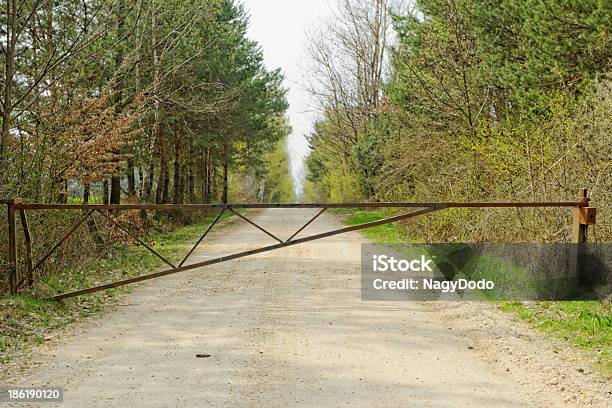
28	245
580	228
12	244
582	218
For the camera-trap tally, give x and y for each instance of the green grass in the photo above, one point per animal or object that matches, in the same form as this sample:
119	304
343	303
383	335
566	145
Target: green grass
93	199
381	234
25	320
585	324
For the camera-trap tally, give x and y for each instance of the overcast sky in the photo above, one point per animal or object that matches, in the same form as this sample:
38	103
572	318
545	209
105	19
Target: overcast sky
280	27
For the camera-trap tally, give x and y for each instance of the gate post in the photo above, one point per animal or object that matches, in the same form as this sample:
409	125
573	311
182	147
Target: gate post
582	218
579	224
28	245
12	244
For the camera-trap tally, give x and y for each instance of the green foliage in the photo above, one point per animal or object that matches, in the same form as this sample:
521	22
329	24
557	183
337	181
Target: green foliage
338	176
535	47
368	155
488	100
495	100
278	184
254	122
343	184
194	86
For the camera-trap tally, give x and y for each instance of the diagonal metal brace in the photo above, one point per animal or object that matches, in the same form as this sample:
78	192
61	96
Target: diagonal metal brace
255	225
64	238
307	224
210	227
141	242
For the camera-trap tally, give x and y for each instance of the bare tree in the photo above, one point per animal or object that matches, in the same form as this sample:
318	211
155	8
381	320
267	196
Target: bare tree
349	64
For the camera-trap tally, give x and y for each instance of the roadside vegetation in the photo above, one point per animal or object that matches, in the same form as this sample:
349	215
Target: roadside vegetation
465	100
159	101
26	320
585	324
110	101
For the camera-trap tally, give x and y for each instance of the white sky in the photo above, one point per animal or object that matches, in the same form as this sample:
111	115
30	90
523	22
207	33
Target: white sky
280	27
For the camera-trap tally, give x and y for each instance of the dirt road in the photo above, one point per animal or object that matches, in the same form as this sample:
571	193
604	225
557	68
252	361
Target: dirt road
286	328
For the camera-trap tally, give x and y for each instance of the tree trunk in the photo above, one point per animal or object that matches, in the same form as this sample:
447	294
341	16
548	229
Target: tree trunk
105	191
203	176
86	191
225	186
63	195
7	96
190	171
178	176
211	189
140	182
6	117
131	178
161	192
191	184
115	191
148	187
185	183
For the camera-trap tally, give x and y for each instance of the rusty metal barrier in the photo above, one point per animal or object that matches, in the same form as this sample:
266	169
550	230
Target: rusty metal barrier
583	215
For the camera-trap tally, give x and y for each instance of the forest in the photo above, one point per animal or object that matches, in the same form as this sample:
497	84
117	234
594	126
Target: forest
118	102
466	100
160	101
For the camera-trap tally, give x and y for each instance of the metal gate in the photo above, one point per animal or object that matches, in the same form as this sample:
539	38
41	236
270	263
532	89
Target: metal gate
583	216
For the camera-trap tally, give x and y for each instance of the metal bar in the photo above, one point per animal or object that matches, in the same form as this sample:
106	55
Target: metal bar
307	224
28	245
64	238
202	237
514	205
170	207
141	242
255	225
245	253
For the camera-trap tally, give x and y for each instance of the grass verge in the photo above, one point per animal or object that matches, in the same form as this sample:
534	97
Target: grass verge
28	320
585	324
